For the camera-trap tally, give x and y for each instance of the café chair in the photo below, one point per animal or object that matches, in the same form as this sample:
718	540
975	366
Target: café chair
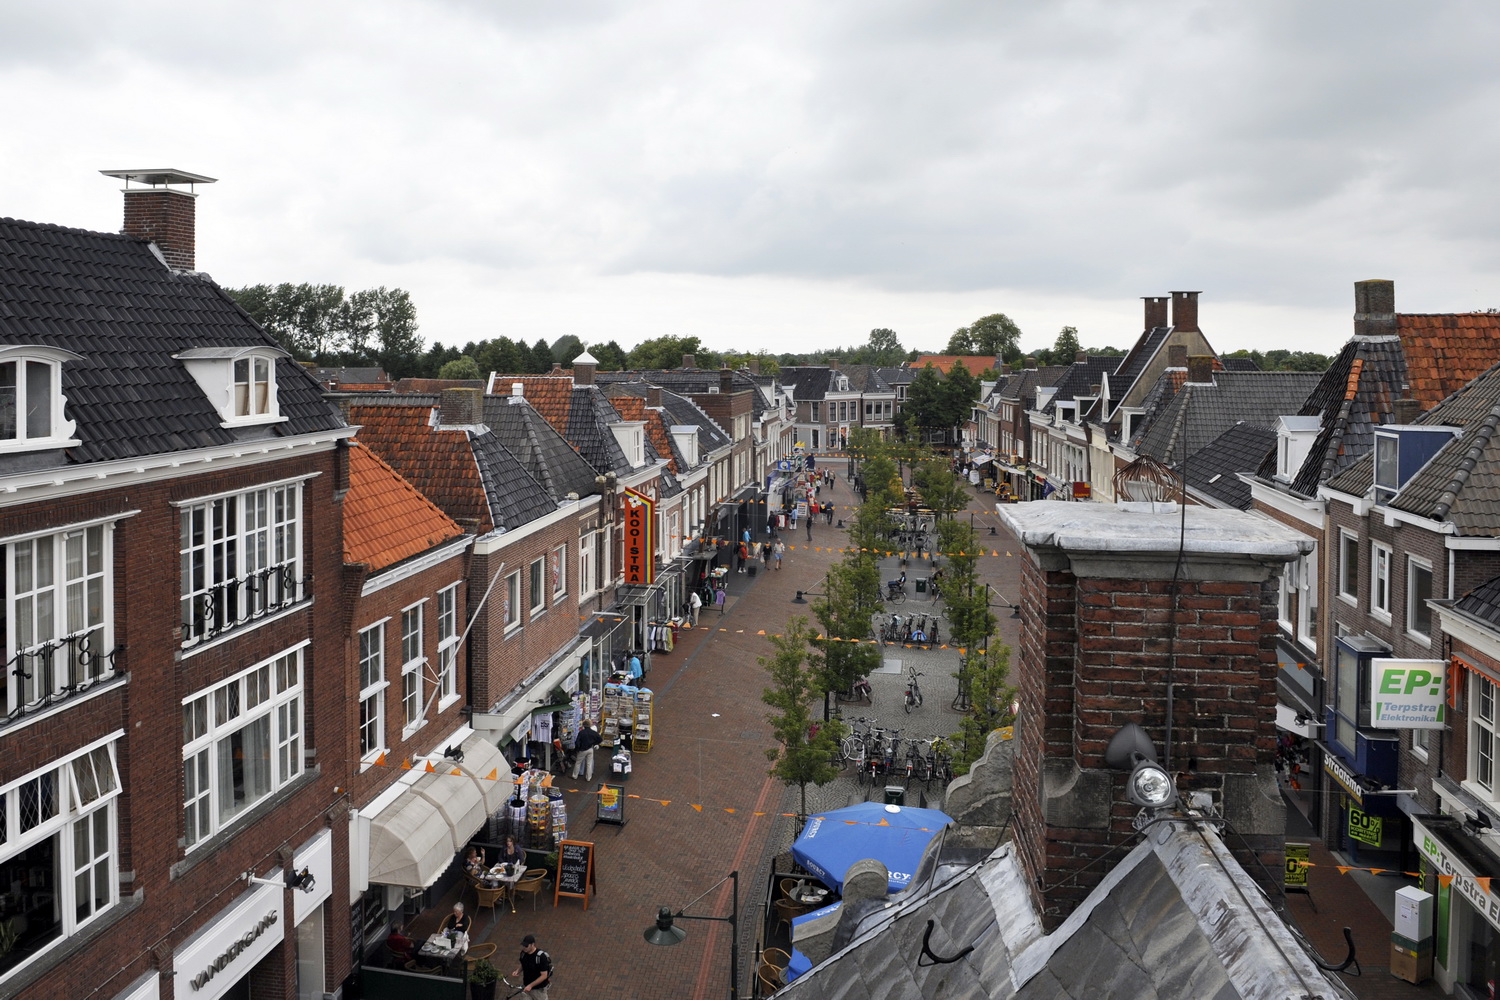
776	958
786	909
769	983
480	951
532	883
489	897
412	966
788	887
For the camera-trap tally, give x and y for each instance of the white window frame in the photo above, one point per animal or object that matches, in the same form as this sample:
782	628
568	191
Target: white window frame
1413	604
413	659
511	599
559	570
212	717
78	794
241	559
1380	581
587	573
372	693
1348	582
536	585
448	637
59	614
229	377
1483	745
1307	594
33	427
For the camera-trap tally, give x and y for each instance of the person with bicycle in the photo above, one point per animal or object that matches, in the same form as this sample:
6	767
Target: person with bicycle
535	968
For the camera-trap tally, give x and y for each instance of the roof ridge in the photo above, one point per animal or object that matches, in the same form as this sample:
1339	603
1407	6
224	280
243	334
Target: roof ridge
1467	463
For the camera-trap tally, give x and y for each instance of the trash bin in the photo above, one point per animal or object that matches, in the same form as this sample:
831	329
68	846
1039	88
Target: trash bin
921	584
895	795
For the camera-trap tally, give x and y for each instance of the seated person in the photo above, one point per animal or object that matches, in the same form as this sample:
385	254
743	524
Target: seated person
458	920
400	944
511	854
474	862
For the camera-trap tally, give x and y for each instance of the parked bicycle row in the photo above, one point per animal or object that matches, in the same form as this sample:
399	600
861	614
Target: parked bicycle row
881	755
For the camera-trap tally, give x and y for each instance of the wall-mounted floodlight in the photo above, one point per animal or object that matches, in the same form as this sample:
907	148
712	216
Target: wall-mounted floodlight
1149	785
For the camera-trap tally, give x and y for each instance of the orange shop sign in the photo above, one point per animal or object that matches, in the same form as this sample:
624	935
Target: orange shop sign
640	540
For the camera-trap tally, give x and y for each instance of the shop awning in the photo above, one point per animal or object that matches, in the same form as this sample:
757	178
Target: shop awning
416	837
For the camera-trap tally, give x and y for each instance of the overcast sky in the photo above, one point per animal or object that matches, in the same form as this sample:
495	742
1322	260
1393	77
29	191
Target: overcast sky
786	176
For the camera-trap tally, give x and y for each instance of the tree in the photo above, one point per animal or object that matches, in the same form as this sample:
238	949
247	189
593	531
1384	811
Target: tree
990	700
566	348
959	394
884	349
464	367
851	594
803	755
1066	347
995	334
320	323
611	356
924	400
941	490
541	357
663	353
962	342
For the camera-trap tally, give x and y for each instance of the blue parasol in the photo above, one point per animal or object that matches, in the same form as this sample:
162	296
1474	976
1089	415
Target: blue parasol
896	836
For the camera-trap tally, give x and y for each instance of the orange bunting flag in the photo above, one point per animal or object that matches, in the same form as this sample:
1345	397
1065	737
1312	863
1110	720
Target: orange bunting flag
429	768
406	764
1483	880
696	806
457	772
1344	869
380	760
1445	880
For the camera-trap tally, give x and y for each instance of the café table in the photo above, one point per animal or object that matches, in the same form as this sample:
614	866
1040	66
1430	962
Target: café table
496	878
444	948
808	894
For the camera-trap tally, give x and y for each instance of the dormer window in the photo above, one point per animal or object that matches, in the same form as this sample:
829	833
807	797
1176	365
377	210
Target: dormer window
31	399
1294	439
1401	450
240	382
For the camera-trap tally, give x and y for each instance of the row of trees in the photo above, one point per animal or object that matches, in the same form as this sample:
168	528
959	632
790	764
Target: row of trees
938	403
810	663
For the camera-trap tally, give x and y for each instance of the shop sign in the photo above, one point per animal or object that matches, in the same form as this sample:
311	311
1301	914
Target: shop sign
1406	694
1345	777
640	546
1082	491
1296	865
237	948
1464	881
216	958
1365	828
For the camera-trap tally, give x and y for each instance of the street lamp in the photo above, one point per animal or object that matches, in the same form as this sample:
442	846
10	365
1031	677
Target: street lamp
666	932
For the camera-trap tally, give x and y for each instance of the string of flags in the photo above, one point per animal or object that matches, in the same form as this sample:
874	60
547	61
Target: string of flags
1294	864
981	552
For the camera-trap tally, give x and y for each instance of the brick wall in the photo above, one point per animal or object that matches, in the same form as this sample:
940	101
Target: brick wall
166	218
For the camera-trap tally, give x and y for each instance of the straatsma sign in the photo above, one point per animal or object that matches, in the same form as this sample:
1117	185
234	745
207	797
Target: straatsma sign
640	541
1407	694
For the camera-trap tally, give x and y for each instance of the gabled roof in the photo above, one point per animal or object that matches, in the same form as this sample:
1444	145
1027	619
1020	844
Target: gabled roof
387	519
693	381
436	385
1445	350
580	413
1022	385
866	378
1079	380
898	376
1136	359
676	411
545	453
1483	602
1188	419
657	437
1213	470
807	382
109	299
975	363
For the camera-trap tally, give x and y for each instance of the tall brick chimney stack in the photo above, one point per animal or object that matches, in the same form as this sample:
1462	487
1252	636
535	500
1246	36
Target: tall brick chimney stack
1375	308
1156	311
690	361
726	379
1185	310
1102	636
653	396
584	367
163	214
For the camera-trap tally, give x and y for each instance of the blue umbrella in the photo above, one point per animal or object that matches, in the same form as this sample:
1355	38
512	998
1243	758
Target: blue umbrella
896	836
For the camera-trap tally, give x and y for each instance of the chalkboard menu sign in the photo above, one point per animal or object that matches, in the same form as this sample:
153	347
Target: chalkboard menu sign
575	870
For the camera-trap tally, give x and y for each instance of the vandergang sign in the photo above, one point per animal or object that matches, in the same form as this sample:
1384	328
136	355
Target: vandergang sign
640	543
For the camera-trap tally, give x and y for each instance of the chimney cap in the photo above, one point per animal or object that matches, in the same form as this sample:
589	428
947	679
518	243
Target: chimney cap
159	175
585	359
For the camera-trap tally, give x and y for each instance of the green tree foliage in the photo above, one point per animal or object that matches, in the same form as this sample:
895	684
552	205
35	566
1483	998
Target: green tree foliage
801	757
566	348
321	323
940	489
1285	361
995	334
851	595
464	367
990	698
665	352
935	402
611	356
960	392
970	621
1066	345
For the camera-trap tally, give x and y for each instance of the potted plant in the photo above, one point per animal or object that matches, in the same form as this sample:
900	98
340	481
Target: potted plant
482	979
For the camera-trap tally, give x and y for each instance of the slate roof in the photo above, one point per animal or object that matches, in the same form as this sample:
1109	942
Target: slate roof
658	440
1022	385
1240	364
1213	470
867	378
1134	362
1079	380
515	496
1483	602
693	381
1461	483
544	452
679	411
387	519
1177	917
1187	420
898	376
108	298
1445	350
580	413
1355	395
807	382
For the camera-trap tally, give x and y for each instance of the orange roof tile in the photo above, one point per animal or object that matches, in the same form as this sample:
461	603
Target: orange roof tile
634	408
440	463
1444	351
549	395
386	519
1355	367
975	363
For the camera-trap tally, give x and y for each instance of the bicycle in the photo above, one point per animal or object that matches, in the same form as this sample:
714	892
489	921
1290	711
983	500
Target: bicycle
913	692
895	592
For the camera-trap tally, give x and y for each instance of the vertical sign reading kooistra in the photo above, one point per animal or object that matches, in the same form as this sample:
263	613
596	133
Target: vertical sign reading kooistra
640	543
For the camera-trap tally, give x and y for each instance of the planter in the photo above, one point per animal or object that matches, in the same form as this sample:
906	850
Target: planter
482	991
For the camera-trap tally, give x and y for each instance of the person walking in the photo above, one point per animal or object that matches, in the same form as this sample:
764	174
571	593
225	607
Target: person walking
584	743
695	604
534	968
828	512
809	527
776	552
765	555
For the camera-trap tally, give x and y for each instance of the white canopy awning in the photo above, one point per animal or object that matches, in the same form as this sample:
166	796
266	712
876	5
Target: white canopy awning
417	836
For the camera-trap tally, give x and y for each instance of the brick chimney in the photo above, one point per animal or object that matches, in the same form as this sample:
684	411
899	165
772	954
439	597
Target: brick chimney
162	214
753	364
1177	356
690	361
1185	310
584	367
1102	635
556	367
1406	411
460	407
653	396
1031	364
1156	311
726	379
1375	308
1081	357
1201	368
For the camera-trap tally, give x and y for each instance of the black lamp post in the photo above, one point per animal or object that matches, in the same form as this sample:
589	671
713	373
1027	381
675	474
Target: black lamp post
665	931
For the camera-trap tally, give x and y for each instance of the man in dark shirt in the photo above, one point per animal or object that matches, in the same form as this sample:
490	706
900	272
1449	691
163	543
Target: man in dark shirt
535	968
584	743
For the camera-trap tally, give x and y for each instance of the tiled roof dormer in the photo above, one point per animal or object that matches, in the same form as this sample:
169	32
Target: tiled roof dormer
240	382
31	399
